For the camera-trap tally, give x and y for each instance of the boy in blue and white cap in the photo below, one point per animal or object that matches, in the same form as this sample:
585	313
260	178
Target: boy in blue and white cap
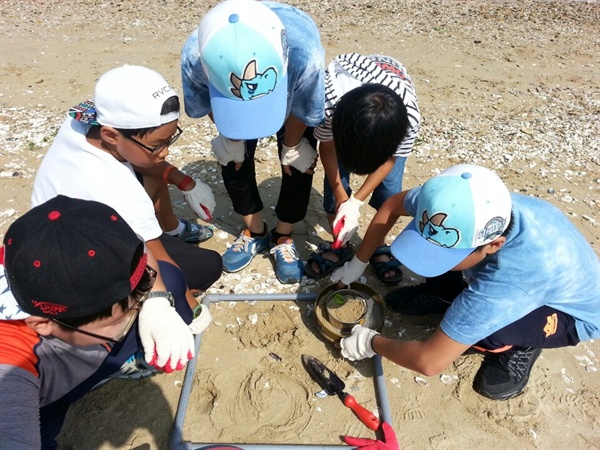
533	279
257	69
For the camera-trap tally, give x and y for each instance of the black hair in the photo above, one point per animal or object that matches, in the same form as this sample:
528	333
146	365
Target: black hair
139	291
368	124
170	105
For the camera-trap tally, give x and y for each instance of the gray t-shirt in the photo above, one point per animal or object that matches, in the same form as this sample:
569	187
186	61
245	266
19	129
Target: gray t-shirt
34	372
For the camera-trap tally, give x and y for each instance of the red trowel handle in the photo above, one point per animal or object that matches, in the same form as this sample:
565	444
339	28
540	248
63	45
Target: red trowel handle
365	416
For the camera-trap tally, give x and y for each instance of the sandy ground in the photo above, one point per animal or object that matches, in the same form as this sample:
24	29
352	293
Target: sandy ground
510	85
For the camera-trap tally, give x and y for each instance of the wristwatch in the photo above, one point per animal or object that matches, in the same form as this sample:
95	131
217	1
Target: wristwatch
162	294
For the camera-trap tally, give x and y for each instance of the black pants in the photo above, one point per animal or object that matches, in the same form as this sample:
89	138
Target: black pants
201	267
242	187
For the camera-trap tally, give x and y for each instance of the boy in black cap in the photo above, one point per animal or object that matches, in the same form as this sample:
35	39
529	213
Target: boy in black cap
80	277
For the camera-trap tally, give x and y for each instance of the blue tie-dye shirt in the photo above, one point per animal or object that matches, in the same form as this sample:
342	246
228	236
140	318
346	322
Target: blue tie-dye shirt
306	69
545	261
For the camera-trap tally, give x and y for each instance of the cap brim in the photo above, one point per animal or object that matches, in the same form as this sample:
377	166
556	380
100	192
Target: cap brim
423	257
252	119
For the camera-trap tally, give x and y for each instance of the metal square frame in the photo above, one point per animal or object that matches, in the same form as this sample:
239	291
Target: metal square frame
176	441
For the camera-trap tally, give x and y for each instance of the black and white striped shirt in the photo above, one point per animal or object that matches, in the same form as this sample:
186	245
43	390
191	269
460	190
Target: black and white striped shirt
351	70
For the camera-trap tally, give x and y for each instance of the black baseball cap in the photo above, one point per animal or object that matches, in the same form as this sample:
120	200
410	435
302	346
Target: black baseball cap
69	258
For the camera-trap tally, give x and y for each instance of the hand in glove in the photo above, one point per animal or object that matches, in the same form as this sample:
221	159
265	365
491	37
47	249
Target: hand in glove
358	346
301	156
349	272
390	441
201	200
167	340
202	319
345	223
226	150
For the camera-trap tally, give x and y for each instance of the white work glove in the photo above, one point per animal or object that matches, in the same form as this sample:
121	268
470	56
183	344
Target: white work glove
358	346
301	156
349	272
226	150
201	323
201	200
167	340
345	223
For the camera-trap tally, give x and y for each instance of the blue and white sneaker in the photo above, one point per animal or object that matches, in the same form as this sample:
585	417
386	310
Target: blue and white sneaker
243	250
135	367
194	233
288	265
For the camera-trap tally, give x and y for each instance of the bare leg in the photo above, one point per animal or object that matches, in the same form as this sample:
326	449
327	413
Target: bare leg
254	222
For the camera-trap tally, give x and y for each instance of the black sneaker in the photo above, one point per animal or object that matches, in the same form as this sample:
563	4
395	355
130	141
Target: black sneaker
416	300
505	375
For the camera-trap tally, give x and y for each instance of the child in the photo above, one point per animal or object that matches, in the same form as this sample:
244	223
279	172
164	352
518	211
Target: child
100	150
371	123
80	277
256	69
533	279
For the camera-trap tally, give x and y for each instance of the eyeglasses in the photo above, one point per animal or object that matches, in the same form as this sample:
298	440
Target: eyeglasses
132	314
159	147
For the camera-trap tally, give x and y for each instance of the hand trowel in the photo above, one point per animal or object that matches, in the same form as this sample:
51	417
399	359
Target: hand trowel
333	385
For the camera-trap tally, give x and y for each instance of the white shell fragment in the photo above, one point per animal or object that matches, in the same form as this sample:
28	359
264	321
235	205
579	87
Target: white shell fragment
447	379
322	394
421	381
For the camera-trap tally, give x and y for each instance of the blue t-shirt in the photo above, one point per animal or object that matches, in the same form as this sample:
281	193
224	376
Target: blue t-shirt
306	69
545	261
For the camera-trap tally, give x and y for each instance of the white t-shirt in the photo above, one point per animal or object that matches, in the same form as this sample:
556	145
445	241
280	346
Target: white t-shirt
75	168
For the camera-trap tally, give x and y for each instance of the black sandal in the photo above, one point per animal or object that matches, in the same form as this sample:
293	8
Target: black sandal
381	267
326	266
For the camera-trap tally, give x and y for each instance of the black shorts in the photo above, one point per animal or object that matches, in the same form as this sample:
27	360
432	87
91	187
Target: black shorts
544	327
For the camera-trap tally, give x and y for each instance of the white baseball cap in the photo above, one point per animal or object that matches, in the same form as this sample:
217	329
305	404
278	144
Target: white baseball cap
128	97
244	53
460	209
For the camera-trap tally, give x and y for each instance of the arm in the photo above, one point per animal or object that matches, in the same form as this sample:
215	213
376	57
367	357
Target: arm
429	357
379	227
156	251
168	173
19	409
297	151
330	164
294	130
374	179
167	340
347	212
199	196
382	223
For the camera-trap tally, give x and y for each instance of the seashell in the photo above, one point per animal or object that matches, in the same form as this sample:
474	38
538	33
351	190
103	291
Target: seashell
421	381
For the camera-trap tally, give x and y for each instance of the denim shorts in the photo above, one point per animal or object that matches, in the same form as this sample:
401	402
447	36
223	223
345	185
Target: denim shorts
390	185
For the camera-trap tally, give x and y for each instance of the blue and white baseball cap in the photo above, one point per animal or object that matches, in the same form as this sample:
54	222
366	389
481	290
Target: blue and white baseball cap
458	210
244	53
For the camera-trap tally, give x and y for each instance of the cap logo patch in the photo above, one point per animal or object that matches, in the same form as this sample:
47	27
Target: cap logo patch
492	229
253	85
433	229
51	309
